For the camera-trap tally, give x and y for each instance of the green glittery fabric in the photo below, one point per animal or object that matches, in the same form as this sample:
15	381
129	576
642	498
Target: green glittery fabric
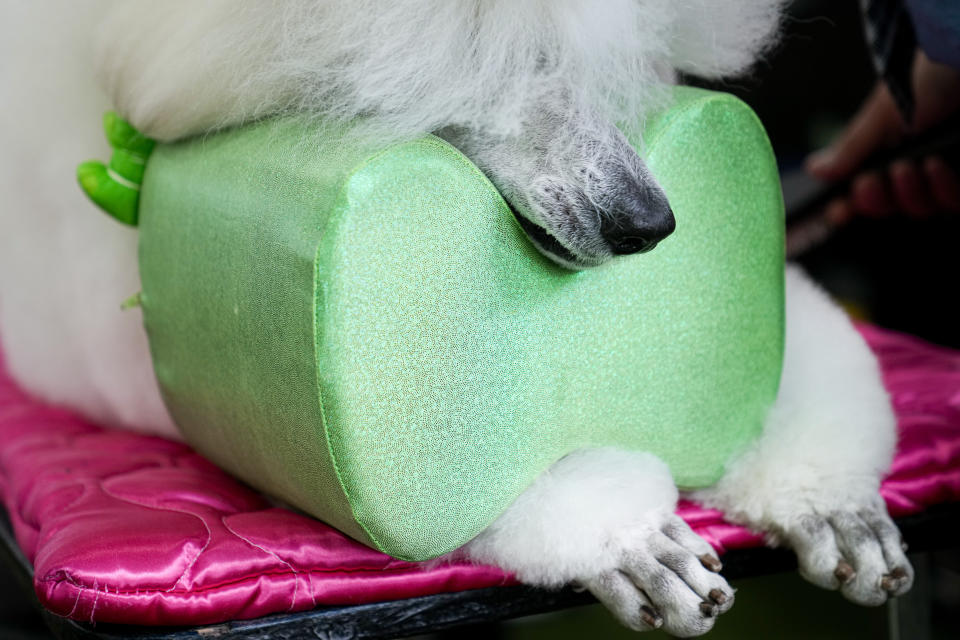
371	337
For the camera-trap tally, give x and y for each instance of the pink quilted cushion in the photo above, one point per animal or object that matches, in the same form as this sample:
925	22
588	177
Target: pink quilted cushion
131	529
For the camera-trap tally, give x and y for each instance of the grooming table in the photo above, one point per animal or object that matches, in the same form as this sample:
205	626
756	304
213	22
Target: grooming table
112	529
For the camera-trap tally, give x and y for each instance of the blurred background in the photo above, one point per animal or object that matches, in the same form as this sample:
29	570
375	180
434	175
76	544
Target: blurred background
896	271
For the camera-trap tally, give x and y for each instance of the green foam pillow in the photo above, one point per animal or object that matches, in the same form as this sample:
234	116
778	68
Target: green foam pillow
371	337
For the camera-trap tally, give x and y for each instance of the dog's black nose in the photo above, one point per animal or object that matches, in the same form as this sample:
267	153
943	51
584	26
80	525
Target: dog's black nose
638	223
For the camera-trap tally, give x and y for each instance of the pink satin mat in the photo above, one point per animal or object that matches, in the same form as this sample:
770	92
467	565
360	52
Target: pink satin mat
132	529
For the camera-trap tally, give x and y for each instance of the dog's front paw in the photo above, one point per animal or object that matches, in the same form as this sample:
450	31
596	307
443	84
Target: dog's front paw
666	576
859	551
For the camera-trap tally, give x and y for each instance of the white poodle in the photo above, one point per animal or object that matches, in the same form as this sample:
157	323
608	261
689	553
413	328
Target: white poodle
529	90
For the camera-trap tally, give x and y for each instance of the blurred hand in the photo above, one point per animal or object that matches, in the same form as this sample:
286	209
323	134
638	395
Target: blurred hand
918	188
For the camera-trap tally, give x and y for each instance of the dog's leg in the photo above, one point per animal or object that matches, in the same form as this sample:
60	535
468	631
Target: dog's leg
812	479
604	519
580	190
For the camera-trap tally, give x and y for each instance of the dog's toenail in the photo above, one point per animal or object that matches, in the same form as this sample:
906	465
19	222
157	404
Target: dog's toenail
650	617
888	583
718	596
898	573
844	572
708	609
711	562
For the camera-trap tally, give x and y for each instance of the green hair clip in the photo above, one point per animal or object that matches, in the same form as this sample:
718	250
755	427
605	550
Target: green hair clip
115	188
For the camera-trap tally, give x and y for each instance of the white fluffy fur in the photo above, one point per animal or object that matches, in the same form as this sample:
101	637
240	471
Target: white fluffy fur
561	528
179	67
64	266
